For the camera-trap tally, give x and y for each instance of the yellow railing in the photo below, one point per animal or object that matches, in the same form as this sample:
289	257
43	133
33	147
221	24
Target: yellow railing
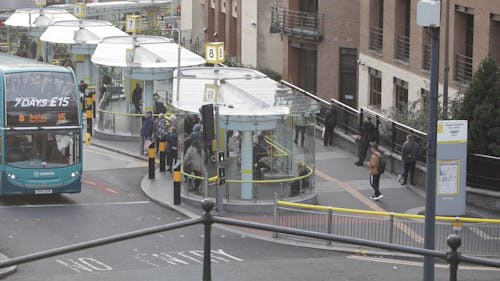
274	145
215	178
385	214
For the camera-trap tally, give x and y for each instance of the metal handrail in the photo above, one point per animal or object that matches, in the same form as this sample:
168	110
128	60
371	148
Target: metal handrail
386	214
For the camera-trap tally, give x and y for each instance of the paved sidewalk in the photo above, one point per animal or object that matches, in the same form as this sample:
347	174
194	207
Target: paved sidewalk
338	182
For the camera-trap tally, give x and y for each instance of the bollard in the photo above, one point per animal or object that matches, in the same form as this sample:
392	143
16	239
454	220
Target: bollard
453	257
151	156
208	205
93	103
89	115
177	184
161	147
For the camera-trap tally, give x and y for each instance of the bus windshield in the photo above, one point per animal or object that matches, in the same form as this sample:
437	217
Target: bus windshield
44	149
41	99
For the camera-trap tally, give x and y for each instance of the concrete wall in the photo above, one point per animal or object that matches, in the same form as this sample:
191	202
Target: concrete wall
269	51
249	32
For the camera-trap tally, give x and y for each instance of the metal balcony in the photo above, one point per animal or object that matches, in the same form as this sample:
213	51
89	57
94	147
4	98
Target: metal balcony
376	39
463	69
297	24
403	48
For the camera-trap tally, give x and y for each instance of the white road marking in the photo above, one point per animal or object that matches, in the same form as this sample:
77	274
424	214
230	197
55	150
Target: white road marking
184	258
79	204
482	234
85	264
420	264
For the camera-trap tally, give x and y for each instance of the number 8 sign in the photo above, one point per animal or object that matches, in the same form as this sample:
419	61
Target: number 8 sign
214	52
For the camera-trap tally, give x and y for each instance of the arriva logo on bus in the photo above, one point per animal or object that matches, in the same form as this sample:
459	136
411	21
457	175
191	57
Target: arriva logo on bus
43	173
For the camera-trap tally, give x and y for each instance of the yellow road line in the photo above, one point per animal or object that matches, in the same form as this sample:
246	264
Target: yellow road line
370	204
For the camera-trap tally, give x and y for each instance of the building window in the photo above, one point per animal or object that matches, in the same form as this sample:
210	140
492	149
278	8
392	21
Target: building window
424	99
375	87
376	25
401	91
402	30
495	37
464	45
426	49
348	76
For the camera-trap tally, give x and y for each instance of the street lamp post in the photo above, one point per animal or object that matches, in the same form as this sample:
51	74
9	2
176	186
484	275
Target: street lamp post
429	15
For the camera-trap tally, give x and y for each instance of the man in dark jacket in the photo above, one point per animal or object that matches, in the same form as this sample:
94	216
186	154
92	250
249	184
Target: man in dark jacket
367	133
409	153
147	126
137	98
171	148
330	123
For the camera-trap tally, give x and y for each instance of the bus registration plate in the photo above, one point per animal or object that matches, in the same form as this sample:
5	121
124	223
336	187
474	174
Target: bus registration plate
43	191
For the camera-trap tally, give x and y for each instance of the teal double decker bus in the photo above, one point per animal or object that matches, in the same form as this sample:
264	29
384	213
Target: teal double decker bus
40	136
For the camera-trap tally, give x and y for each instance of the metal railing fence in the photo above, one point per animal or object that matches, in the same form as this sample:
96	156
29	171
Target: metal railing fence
452	257
376	39
481	169
296	23
482	235
463	68
403	47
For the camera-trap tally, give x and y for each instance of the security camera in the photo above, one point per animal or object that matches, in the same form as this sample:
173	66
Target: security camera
215	34
359	61
253	23
204	29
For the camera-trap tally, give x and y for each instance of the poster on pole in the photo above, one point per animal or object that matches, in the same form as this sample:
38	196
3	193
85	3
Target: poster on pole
448	177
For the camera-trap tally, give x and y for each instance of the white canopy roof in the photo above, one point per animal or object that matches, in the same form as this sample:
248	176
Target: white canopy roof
80	32
244	92
36	17
148	52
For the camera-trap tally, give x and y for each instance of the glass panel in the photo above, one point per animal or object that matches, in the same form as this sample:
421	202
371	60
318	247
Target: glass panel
47	149
40	99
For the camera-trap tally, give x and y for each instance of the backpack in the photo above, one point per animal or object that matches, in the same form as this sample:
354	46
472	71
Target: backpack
381	164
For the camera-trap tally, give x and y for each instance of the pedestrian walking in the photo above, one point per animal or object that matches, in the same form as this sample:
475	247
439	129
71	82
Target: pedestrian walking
330	123
137	98
172	155
300	128
375	171
194	161
367	133
409	154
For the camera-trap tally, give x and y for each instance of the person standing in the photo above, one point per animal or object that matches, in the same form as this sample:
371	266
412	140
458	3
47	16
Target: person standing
82	87
409	154
373	165
367	134
147	126
330	123
137	98
161	129
194	161
300	128
171	148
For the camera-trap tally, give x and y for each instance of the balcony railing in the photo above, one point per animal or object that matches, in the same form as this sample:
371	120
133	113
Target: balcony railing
463	69
426	59
376	39
297	24
403	48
